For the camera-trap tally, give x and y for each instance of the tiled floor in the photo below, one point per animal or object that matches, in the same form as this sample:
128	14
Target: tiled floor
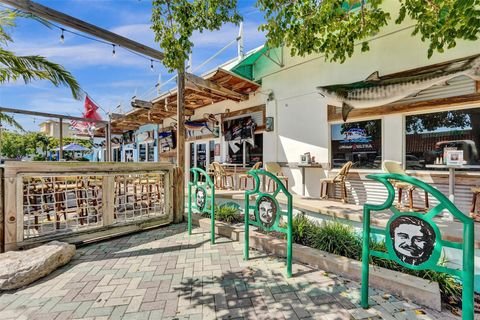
166	274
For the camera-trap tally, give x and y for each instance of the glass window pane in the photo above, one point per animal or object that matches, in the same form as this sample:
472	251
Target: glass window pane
129	155
235	151
142	152
254	153
359	142
151	152
428	136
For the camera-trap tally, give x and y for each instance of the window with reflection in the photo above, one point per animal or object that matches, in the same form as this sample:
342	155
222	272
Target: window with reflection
430	136
142	152
359	142
151	151
246	152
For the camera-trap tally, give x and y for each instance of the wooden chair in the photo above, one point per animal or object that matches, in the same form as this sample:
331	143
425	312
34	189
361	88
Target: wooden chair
211	171
396	167
339	179
246	177
222	175
274	168
474	214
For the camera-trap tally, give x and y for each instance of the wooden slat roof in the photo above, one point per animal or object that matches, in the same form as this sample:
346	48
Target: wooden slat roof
217	86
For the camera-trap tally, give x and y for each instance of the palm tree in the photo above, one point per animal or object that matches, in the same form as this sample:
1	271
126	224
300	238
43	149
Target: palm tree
28	68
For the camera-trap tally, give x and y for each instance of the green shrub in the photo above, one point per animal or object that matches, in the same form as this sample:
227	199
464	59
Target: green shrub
340	239
304	230
229	214
337	238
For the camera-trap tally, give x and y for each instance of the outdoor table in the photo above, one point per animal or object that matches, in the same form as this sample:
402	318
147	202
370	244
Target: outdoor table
451	177
303	167
234	165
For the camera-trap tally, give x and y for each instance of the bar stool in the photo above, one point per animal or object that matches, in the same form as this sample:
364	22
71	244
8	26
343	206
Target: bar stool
473	211
395	167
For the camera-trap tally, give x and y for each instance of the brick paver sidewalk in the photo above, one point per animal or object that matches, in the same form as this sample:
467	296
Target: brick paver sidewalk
165	274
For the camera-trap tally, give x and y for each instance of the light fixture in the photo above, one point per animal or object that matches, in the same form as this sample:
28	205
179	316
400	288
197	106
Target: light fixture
62	37
113	51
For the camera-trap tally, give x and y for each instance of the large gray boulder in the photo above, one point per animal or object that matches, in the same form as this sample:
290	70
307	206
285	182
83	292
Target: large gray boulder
20	268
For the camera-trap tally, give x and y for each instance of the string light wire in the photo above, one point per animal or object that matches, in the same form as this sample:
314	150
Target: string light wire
64	30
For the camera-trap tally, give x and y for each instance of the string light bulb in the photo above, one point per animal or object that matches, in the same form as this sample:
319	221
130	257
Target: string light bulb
62	37
151	65
113	51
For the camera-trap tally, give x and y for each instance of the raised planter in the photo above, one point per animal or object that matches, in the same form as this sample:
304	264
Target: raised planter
416	289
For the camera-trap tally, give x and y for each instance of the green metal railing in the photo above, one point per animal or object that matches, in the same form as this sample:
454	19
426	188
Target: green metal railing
203	199
414	240
268	213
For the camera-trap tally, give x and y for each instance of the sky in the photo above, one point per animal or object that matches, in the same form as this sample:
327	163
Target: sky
109	80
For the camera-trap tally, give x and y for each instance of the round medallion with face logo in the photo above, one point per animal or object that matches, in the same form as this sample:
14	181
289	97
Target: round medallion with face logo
267	211
200	198
413	239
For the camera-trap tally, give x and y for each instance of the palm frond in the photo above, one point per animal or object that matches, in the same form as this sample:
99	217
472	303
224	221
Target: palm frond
29	68
11	121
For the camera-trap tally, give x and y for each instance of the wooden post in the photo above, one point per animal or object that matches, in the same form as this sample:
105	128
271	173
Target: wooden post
179	182
108	199
108	142
10	209
60	145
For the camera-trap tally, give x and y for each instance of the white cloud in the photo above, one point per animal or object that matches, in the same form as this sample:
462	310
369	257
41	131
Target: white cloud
140	32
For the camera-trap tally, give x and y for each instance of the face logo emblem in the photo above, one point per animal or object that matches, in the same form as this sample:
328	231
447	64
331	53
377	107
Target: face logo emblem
267	211
200	198
413	239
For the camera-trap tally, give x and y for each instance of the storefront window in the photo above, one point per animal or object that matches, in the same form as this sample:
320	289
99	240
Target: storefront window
359	142
116	155
129	155
142	152
247	152
430	136
151	152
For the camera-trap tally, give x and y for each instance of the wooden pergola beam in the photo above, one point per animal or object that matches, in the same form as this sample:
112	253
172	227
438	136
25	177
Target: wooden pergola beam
80	25
50	115
193	82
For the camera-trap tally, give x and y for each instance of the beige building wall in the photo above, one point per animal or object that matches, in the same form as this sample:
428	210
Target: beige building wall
51	128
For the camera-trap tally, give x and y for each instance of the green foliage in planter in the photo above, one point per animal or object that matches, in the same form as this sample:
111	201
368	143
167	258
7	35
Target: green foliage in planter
337	238
304	230
227	214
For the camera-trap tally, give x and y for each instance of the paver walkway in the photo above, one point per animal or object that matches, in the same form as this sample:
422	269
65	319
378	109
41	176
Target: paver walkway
165	274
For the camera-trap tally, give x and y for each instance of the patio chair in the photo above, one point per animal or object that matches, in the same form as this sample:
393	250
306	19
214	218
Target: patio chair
222	175
473	211
246	177
396	167
211	171
274	168
339	179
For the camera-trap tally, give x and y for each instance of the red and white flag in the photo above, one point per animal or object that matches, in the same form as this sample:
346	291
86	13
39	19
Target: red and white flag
90	113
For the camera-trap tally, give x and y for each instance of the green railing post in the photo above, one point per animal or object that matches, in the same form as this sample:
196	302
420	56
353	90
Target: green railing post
212	216
247	229
468	273
365	257
268	213
414	240
189	209
202	201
